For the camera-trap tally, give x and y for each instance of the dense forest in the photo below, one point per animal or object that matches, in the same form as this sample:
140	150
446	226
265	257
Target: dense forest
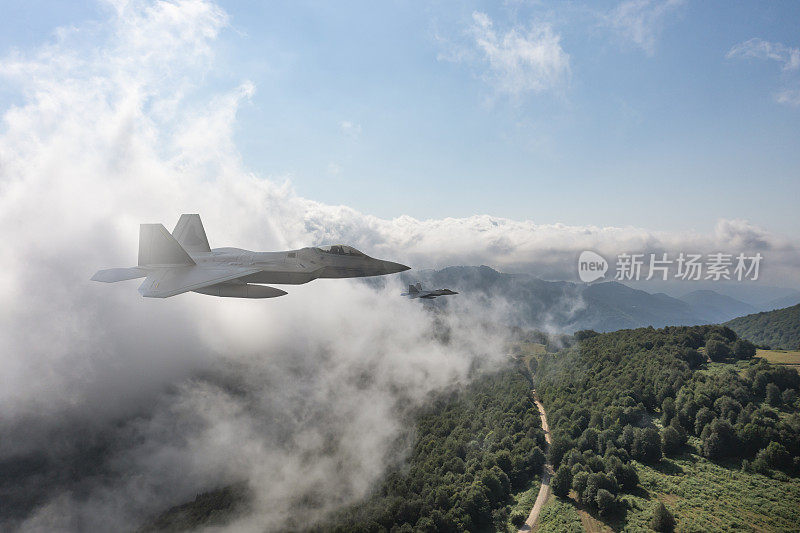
619	406
632	396
474	448
774	329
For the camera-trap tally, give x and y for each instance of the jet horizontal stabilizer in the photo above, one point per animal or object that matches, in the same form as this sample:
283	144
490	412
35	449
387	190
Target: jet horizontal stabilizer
112	275
166	282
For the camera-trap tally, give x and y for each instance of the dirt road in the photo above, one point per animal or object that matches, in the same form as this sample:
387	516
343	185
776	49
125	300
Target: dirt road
547	472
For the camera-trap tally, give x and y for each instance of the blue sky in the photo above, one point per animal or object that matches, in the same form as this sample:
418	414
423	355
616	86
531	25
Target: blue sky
633	113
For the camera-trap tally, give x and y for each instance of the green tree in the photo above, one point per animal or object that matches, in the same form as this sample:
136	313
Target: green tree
606	502
562	481
585	334
628	477
671	440
717	350
662	519
719	439
558	448
579	481
702	419
667	410
789	396
773	456
744	349
773	395
647	445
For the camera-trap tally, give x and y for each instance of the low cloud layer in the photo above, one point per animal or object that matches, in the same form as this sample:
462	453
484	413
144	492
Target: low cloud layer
134	404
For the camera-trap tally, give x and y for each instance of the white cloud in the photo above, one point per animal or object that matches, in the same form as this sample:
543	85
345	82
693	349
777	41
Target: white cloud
641	21
788	57
195	391
761	49
515	62
789	97
302	397
350	129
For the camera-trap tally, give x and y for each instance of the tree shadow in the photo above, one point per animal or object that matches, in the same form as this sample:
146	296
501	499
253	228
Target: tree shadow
616	520
639	492
668	467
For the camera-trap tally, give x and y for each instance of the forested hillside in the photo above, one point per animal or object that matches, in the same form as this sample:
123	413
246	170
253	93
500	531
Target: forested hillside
776	329
617	403
646	432
474	448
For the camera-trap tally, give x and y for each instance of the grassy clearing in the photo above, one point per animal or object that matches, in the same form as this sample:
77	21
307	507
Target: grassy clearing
527	352
533	348
559	516
781	357
705	496
523	501
702	496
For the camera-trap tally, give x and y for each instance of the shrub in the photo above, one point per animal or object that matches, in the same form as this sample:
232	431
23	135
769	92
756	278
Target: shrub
518	518
662	519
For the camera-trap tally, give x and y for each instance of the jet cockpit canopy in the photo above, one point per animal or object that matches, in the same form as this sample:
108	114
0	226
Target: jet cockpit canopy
340	249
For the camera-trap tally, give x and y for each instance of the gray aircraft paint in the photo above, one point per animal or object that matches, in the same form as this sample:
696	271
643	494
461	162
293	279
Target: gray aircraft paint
416	291
183	261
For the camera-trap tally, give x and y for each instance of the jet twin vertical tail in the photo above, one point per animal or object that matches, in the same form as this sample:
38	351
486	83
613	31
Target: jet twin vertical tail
158	248
190	234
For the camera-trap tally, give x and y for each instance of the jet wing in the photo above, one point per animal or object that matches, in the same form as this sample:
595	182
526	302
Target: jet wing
166	282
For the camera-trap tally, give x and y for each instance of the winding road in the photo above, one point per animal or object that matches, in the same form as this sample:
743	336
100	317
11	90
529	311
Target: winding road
547	472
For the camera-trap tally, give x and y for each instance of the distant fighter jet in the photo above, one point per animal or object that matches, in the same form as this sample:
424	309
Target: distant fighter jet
183	262
416	291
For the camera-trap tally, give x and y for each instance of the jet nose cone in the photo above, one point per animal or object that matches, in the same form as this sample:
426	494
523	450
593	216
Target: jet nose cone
393	268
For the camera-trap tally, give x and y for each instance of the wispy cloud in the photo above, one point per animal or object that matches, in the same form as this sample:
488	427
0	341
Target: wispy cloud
789	97
641	21
350	129
788	57
517	61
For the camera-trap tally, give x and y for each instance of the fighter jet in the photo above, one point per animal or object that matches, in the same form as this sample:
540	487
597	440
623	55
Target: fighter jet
416	291
183	261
